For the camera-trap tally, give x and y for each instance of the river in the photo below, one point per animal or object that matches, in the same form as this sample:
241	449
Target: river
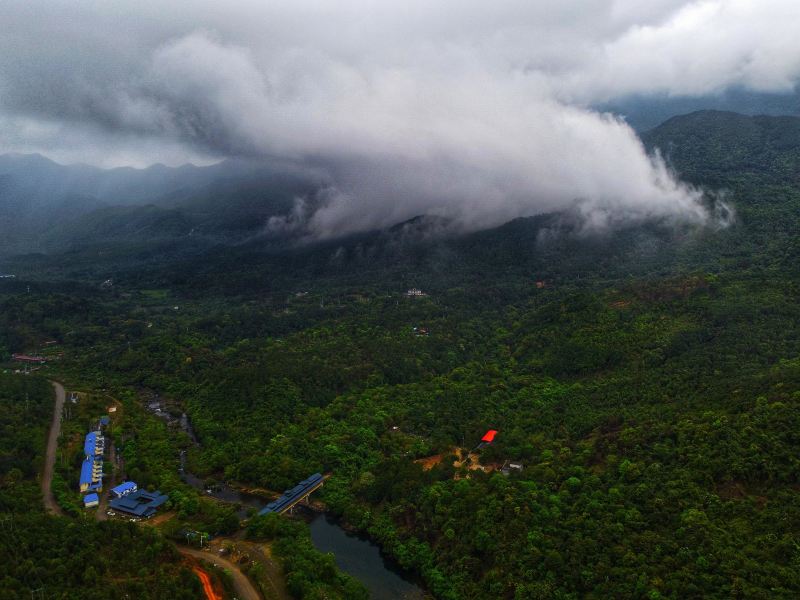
361	558
354	554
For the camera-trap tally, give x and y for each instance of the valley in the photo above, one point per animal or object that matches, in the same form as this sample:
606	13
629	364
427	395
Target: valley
643	381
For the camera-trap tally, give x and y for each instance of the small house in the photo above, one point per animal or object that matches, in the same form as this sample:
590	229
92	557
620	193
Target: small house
509	467
26	358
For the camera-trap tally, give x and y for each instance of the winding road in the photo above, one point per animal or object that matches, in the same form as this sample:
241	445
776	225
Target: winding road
50	503
244	588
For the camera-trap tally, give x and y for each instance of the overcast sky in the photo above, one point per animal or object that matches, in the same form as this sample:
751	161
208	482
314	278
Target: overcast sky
464	108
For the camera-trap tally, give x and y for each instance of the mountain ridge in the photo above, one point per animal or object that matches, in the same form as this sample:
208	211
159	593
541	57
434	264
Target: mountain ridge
230	202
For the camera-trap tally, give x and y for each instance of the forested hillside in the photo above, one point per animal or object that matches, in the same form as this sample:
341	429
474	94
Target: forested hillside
716	148
46	207
647	380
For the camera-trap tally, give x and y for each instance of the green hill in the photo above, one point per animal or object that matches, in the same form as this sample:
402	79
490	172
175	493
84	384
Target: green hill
712	147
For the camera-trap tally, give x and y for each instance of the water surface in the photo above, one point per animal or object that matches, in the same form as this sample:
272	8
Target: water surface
362	559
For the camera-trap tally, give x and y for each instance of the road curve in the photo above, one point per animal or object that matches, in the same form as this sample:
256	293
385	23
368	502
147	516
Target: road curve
243	586
50	503
208	589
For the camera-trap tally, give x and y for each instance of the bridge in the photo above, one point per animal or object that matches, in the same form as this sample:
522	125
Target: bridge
291	497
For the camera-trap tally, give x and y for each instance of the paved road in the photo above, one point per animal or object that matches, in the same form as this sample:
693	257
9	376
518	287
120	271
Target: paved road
244	588
50	503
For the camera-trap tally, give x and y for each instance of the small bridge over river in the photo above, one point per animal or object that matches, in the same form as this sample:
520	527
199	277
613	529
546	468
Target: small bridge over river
295	495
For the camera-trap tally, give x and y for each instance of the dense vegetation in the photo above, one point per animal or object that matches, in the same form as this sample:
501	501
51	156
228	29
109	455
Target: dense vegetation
650	388
58	557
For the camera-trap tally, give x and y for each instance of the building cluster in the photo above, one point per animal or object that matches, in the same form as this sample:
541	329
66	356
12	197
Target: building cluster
126	498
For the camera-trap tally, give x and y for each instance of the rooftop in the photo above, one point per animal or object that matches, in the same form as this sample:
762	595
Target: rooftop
93	443
139	503
86	472
124	487
291	496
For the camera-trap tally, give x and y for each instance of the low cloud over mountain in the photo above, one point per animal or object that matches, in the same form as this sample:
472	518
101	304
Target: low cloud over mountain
449	108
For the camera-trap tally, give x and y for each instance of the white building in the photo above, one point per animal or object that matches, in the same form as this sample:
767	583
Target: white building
415	293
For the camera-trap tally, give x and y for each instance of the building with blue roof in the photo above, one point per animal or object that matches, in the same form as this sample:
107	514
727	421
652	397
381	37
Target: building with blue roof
94	444
104	421
90	500
140	503
89	444
91	479
124	488
294	495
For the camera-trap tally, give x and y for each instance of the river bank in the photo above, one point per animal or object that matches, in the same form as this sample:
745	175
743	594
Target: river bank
354	552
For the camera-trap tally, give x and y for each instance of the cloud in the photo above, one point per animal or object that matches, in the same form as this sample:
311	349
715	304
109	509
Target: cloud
454	108
702	48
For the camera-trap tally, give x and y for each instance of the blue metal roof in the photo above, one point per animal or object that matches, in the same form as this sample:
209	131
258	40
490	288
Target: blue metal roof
86	472
90	498
139	503
125	486
291	496
90	443
93	440
105	420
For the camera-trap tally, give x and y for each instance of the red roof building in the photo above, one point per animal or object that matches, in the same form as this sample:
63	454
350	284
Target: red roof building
29	359
489	436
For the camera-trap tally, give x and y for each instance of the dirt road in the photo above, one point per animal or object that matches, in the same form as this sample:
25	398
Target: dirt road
208	588
244	588
50	503
274	574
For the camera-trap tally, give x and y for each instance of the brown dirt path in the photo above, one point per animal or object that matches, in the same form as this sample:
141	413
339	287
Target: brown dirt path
50	503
